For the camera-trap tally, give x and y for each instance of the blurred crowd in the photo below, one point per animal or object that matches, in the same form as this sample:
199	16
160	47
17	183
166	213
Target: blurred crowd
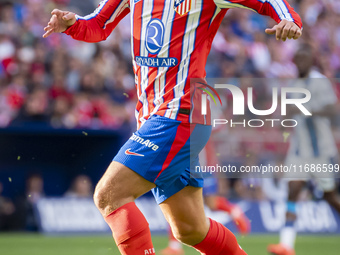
19	213
63	83
57	81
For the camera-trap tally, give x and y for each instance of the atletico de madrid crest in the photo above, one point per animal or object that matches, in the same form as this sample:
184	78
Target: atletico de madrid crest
182	6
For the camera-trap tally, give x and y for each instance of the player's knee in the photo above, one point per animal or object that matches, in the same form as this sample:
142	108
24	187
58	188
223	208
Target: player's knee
108	197
100	198
190	235
105	199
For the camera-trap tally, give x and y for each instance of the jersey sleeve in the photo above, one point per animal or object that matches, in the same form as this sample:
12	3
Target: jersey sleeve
277	9
99	25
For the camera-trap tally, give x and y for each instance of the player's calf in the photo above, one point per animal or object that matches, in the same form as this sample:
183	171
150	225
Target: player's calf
130	230
219	241
185	213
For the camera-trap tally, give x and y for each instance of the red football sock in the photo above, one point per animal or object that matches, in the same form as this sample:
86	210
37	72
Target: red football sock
130	230
219	241
224	205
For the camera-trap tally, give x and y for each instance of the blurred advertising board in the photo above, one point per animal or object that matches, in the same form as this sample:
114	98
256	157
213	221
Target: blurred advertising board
71	215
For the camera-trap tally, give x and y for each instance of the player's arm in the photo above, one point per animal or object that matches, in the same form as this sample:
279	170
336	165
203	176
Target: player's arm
289	22
95	27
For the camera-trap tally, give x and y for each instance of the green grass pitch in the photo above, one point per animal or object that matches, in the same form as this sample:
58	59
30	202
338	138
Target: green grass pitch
33	244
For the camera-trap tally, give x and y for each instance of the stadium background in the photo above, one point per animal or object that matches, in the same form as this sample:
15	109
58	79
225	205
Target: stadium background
66	107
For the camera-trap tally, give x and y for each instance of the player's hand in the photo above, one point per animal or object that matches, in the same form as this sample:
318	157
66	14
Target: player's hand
59	22
285	29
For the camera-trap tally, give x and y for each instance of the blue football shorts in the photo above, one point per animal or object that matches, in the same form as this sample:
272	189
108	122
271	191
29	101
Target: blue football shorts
164	151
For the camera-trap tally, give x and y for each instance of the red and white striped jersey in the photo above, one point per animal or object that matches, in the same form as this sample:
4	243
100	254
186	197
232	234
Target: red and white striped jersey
171	40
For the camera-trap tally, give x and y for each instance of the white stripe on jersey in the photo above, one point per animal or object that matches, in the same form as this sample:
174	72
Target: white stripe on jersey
223	4
167	18
188	6
179	8
95	13
217	11
281	9
146	17
133	54
124	4
132	45
278	5
188	47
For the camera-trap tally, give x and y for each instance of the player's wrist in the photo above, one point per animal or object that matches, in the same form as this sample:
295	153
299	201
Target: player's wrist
70	29
69	19
296	22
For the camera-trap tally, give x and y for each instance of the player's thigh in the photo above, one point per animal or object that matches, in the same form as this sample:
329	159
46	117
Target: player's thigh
185	213
118	186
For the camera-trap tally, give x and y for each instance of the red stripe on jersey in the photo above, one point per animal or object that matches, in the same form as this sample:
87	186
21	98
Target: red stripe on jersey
198	69
137	20
139	106
183	133
175	50
137	17
275	15
198	61
152	74
157	13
